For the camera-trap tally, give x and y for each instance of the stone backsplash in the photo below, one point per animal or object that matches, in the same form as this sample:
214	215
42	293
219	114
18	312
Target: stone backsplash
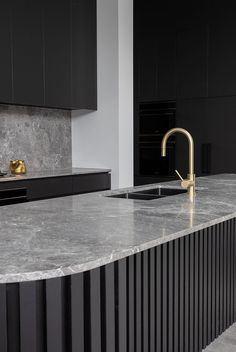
42	137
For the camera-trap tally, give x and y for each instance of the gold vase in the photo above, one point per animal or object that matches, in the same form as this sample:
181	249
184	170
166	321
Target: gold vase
18	167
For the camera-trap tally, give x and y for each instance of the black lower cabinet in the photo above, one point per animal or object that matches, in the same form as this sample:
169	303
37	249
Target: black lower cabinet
51	187
177	297
90	183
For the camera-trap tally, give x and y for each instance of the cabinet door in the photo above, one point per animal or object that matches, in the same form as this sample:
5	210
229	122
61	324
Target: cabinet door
221	125
27	38
57	53
222	56
192	62
91	183
50	187
84	54
6	54
166	64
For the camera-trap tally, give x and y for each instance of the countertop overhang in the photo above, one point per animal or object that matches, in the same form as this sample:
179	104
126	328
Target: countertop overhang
61	236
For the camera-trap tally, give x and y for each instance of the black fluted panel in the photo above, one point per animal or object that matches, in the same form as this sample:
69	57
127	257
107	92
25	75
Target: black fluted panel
177	297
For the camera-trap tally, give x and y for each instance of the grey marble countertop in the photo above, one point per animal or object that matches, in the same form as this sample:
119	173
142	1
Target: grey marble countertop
62	236
53	173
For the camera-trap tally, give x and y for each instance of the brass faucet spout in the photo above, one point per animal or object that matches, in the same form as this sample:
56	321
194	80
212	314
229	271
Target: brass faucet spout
190	182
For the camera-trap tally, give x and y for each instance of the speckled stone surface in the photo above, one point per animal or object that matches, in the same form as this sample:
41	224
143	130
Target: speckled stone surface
53	173
42	137
225	342
62	236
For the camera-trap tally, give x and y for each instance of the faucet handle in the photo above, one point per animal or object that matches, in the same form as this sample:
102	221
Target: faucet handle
177	172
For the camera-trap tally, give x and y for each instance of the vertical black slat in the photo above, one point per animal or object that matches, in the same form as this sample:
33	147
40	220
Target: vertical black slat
196	293
158	289
95	310
176	295
122	301
209	285
130	304
232	272
217	255
3	318
228	272
221	259
32	323
152	299
145	311
213	287
110	308
77	312
103	308
181	294
87	312
55	301
13	318
225	225
170	293
205	286
138	315
192	274
186	294
234	266
164	295
200	291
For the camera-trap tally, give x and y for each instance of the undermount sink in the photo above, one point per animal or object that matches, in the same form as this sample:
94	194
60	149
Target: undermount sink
150	194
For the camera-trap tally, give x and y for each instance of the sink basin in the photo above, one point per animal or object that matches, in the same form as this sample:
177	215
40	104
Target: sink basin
163	191
150	194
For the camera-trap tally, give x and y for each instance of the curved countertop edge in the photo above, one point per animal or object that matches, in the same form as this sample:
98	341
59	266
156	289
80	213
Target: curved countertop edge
80	268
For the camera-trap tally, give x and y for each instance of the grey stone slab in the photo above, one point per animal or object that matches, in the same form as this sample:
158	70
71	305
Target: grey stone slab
40	136
62	236
224	343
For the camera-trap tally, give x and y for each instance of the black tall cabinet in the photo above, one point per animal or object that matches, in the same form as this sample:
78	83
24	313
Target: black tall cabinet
185	52
49	53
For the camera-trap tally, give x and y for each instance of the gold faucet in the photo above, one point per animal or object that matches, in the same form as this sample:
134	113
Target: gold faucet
188	183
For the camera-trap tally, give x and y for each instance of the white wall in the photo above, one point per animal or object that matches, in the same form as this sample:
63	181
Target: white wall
105	138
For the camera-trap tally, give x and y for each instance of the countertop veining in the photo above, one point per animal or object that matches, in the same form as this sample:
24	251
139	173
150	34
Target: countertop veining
62	236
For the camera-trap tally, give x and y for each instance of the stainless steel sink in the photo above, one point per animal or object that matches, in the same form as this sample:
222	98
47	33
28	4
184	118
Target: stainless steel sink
150	194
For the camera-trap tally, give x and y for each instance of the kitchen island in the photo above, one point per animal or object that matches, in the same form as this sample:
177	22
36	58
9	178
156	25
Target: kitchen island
95	273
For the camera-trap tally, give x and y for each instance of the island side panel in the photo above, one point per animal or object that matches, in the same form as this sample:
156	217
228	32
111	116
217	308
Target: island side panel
176	297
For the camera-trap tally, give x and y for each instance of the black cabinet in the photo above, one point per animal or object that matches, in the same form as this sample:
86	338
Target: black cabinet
49	53
50	187
191	61
6	53
27	48
83	67
222	56
90	183
57	53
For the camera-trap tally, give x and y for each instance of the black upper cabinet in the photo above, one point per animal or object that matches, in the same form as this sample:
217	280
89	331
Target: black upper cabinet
57	53
6	54
191	62
49	53
84	67
222	55
28	61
